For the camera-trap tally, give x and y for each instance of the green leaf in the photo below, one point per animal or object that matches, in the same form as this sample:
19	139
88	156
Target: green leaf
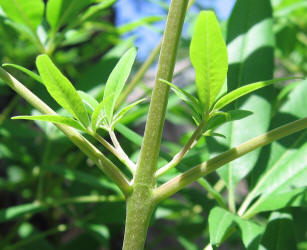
82	177
99	114
212	133
29	12
120	114
12	213
208	55
60	12
223	117
93	10
30	73
52	118
280	232
61	89
22	29
141	22
283	180
89	101
244	90
192	102
250	46
129	134
221	221
278	200
117	80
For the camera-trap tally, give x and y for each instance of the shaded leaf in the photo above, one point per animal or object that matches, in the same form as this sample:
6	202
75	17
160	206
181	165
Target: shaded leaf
60	12
221	221
209	57
52	118
82	177
20	210
93	10
250	45
61	89
285	170
279	234
223	117
188	99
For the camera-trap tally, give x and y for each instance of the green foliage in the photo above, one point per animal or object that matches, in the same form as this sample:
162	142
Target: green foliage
61	89
29	13
116	82
258	200
222	221
52	118
209	57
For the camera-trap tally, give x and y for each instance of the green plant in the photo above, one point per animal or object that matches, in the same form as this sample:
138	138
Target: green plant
215	111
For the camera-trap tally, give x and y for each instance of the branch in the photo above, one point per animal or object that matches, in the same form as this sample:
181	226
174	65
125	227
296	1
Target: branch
190	144
211	165
124	157
119	153
82	143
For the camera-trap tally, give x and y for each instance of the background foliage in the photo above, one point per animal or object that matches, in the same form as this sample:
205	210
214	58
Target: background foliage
52	197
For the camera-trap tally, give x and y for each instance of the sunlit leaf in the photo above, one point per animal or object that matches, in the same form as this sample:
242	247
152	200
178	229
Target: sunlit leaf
89	101
29	12
209	57
30	73
116	81
61	89
244	90
52	118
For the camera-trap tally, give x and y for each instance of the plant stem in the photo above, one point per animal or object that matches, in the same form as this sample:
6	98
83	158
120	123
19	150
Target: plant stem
119	153
130	164
140	204
190	144
5	113
211	192
82	143
141	72
209	166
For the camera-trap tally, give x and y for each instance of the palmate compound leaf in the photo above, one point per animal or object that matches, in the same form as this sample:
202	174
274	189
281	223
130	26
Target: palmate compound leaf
208	55
221	221
116	82
52	118
244	90
30	73
61	89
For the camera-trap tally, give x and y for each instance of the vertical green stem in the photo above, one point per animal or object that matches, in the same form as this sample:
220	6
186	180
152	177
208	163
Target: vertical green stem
140	203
